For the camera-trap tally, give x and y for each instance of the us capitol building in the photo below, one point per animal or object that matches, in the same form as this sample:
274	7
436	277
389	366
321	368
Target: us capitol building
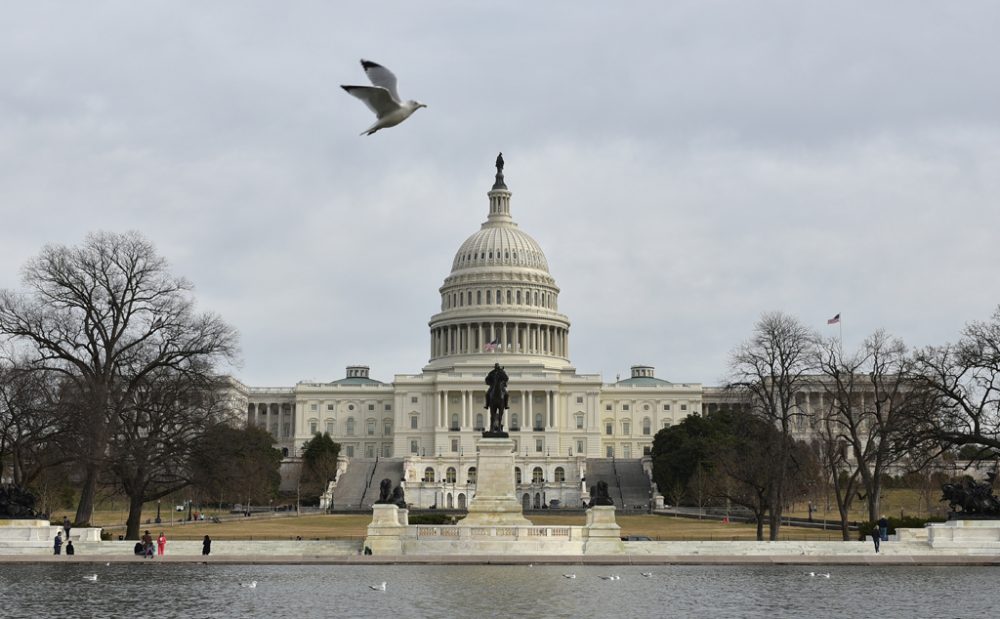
499	304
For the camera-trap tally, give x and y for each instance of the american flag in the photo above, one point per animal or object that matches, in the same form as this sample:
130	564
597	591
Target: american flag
833	320
492	346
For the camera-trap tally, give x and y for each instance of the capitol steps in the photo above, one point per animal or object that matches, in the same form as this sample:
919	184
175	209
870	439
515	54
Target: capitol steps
628	485
353	484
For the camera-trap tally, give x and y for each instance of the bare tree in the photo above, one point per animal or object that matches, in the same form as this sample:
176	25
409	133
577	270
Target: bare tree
105	317
772	370
964	379
151	453
870	402
29	434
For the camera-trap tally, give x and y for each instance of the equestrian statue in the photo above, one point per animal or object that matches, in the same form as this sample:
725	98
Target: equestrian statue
496	401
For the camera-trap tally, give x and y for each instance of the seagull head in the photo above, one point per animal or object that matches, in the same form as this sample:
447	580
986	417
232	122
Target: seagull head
416	105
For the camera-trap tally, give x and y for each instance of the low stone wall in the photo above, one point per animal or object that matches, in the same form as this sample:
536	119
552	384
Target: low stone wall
276	548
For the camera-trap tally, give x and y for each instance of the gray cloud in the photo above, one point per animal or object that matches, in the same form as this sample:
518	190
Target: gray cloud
686	165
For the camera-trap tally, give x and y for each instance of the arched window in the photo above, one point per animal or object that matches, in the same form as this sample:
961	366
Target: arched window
499	297
508	298
450	475
454	421
428	474
560	474
479	421
539	421
461	501
647	426
518	297
350	426
538	500
370	427
472	475
517	475
284	452
537	475
515	422
451	501
489	297
479	297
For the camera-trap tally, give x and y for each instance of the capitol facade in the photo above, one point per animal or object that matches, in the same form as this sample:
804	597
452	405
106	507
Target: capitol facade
499	304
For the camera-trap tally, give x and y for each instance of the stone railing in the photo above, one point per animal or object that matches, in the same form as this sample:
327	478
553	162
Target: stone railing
430	532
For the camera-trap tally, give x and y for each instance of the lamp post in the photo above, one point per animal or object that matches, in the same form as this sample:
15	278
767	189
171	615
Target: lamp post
190	502
158	520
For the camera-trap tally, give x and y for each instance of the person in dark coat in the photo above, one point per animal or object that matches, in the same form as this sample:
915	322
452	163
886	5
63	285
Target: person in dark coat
883	528
66	526
69	548
138	550
206	546
57	543
876	537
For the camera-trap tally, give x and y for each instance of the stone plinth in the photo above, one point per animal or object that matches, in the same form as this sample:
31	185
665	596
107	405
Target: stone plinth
387	529
21	529
495	502
603	533
979	535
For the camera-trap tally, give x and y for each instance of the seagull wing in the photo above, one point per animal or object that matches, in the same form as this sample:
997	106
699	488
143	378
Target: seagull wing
376	98
381	77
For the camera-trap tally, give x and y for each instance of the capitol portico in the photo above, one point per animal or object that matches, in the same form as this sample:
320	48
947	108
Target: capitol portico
499	304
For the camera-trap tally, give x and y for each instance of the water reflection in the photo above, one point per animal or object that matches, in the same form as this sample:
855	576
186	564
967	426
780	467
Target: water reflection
172	590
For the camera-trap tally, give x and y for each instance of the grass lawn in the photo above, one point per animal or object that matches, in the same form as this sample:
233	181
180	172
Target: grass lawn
909	502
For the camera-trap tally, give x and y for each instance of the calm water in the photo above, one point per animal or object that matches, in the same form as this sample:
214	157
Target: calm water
303	592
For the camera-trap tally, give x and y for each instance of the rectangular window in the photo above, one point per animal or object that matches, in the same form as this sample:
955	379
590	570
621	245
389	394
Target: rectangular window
647	450
579	422
314	407
414	446
684	407
413	423
609	428
666	407
609	451
607	407
386	450
579	447
371	407
579	399
371	427
329	407
387	428
624	407
350	451
287	427
626	427
538	445
454	444
626	451
388	407
414	399
312	427
329	427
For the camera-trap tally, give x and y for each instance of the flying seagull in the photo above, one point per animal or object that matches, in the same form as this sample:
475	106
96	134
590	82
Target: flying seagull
377	587
381	97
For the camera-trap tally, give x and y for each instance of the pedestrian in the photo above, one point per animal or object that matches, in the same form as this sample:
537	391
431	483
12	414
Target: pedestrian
57	543
66	526
147	545
876	537
161	544
206	546
138	549
883	528
70	551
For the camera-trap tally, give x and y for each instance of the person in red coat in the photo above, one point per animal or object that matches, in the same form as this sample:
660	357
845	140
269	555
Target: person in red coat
161	544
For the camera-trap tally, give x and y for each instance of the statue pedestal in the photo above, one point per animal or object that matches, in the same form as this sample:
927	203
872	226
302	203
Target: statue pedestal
387	529
495	502
603	533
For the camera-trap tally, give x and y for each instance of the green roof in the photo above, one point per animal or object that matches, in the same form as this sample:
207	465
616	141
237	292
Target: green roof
357	380
644	381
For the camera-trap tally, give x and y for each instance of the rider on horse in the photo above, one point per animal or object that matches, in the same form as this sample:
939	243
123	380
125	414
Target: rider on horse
497	379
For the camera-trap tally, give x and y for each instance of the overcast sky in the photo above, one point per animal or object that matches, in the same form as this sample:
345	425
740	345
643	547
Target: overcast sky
685	166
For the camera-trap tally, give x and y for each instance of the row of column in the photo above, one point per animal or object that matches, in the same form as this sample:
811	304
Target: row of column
467	410
273	418
512	337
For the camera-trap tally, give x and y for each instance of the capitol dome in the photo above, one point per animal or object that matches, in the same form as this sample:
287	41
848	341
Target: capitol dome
499	298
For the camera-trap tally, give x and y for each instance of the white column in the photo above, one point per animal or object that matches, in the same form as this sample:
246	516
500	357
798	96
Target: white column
528	408
465	411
